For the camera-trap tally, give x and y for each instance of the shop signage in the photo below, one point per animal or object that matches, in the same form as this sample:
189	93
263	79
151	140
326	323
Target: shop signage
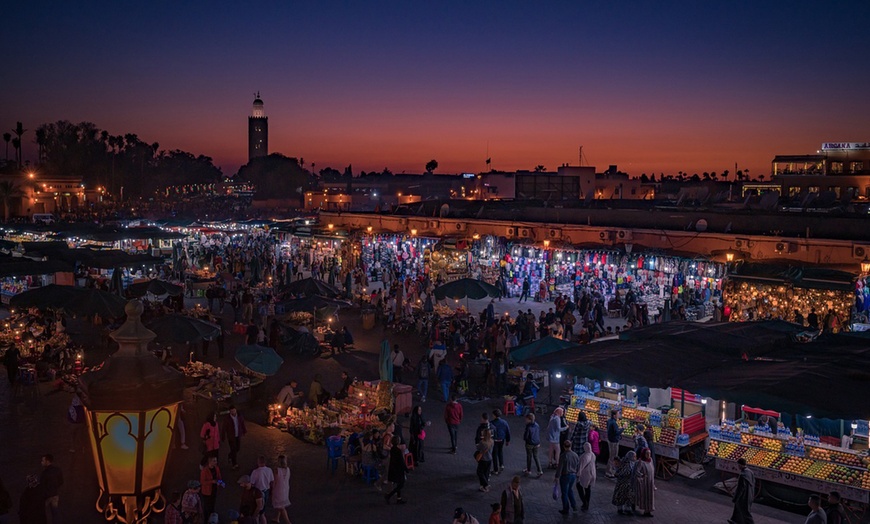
846	146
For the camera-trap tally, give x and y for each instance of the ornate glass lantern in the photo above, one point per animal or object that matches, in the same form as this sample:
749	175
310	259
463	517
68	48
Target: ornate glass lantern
131	405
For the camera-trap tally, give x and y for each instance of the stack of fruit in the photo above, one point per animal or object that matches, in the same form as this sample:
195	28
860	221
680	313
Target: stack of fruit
816	470
592	405
761	442
673	420
796	465
572	414
713	450
668	437
737	453
779	462
763	458
865	480
844	475
634	414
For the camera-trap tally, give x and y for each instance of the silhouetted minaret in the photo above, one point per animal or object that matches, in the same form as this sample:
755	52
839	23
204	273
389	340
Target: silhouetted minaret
258	131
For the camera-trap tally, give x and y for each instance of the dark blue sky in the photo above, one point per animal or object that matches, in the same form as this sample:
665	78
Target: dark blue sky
650	86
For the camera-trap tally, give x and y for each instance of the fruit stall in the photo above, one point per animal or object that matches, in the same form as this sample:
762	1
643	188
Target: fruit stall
676	436
796	460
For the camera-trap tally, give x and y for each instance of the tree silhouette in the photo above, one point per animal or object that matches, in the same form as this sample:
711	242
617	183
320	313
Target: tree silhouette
540	168
16	145
6	138
19	131
431	166
40	143
8	191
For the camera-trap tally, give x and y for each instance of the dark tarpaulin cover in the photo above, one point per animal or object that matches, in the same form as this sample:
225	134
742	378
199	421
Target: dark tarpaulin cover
828	377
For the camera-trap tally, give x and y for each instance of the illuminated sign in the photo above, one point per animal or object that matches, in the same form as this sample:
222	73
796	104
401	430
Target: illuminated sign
845	146
468	175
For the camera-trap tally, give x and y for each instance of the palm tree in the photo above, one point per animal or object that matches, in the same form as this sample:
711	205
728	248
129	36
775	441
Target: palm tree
16	144
6	138
40	143
8	191
19	131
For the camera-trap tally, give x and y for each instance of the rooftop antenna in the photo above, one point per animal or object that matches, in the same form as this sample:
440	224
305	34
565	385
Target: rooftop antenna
581	156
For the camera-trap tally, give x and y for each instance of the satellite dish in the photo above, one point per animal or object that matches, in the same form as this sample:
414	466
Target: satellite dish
701	225
445	211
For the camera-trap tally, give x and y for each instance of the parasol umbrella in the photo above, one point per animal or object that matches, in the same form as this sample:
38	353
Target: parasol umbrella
540	347
311	303
466	288
181	329
155	287
385	362
259	359
51	296
96	302
311	287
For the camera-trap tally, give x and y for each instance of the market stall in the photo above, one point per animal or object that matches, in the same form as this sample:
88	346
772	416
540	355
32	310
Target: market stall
403	254
367	406
765	291
796	460
561	269
679	434
215	389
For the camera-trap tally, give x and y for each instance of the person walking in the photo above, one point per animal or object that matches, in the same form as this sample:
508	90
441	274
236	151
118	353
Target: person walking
594	440
554	432
211	438
645	485
281	490
623	492
444	374
513	509
263	479
396	471
743	495
501	438
191	503
453	417
209	480
526	287
580	436
566	476
31	505
817	514
460	516
835	512
251	500
424	369
172	515
50	480
398	360
614	433
532	439
485	425
483	456
418	434
587	473
233	431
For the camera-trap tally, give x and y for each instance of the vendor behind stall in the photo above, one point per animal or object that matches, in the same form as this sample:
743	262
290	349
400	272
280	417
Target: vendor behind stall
290	397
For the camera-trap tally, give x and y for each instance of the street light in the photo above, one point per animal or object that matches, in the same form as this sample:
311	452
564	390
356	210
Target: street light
729	257
131	405
865	265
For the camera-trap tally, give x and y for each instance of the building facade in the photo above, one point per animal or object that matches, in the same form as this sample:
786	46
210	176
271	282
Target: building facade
840	168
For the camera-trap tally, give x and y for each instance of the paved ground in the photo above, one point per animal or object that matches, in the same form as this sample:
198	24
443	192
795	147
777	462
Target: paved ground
35	424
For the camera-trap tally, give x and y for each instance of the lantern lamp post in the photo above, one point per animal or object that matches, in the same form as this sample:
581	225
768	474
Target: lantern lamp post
131	405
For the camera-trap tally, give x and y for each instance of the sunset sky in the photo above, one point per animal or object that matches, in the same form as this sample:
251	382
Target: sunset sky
650	86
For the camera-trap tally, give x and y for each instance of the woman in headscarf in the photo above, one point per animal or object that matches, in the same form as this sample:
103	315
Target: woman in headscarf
645	483
623	493
586	476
